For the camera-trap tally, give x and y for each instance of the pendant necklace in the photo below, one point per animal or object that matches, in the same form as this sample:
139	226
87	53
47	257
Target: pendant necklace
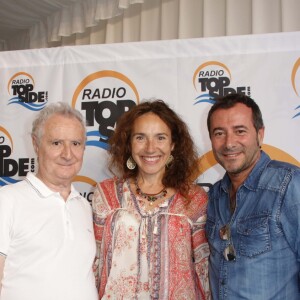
150	197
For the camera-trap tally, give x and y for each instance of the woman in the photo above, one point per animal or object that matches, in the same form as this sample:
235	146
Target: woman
149	220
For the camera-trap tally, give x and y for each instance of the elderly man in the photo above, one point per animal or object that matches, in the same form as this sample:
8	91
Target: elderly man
47	244
253	216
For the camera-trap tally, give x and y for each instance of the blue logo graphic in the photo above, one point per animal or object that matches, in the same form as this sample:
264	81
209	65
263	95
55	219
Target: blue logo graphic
298	114
205	98
30	106
97	143
7	180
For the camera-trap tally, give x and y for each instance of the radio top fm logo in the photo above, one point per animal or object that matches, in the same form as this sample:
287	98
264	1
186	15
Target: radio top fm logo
6	135
8	166
21	88
294	75
104	96
212	79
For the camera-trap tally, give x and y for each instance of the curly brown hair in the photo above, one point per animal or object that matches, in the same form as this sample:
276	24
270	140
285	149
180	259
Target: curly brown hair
178	174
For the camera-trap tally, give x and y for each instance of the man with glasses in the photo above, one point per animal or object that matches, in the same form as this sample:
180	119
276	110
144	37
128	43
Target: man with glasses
253	224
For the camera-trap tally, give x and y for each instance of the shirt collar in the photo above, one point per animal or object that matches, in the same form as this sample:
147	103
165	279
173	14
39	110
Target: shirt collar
43	190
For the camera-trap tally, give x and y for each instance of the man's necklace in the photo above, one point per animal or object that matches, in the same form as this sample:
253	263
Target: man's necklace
150	197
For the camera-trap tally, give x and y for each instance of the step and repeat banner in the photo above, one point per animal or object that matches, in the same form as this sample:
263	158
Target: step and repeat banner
104	81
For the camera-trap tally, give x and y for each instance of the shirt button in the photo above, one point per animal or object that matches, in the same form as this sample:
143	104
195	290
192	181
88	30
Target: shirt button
223	282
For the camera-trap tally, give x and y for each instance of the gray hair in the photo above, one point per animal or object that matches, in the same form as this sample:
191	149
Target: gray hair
58	108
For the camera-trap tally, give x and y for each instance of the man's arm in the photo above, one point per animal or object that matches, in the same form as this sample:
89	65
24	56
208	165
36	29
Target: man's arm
2	261
290	215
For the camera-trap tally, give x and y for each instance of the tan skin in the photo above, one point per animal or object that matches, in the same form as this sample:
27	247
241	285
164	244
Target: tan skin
60	153
235	142
151	144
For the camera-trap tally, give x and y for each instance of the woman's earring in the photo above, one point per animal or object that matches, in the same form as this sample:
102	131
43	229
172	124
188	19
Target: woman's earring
131	164
169	160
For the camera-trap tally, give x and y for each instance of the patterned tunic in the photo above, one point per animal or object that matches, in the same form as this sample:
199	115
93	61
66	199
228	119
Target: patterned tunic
158	254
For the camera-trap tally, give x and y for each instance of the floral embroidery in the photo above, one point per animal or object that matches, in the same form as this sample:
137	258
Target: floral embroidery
154	255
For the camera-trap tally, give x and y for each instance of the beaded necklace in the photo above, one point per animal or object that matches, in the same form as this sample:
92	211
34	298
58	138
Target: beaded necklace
150	197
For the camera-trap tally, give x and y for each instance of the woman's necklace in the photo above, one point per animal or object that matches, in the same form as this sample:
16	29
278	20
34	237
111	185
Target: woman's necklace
150	197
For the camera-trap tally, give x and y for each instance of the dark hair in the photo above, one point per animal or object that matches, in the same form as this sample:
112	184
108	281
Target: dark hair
179	173
231	100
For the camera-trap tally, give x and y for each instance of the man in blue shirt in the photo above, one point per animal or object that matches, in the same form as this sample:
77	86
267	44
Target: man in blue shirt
253	217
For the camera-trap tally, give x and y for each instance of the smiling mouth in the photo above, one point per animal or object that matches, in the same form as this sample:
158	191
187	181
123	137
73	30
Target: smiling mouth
66	165
231	155
150	158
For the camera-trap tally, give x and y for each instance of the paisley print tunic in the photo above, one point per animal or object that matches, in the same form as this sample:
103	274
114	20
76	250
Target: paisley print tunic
157	254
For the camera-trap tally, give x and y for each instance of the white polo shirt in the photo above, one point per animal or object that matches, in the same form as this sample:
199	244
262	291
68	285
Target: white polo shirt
48	243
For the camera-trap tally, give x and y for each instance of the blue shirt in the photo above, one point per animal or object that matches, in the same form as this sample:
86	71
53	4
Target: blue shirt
265	233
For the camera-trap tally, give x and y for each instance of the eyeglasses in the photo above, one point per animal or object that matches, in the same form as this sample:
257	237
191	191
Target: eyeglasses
225	235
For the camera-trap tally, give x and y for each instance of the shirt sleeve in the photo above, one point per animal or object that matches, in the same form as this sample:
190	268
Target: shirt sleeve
201	249
101	210
6	208
290	215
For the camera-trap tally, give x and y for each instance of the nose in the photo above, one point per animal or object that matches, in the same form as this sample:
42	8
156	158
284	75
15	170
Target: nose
150	147
67	151
229	140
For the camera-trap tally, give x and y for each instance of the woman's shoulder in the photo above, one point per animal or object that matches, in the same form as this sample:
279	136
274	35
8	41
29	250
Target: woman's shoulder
198	202
109	182
197	191
194	204
107	192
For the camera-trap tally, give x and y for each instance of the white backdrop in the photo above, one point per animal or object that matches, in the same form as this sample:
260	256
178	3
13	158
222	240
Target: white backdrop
103	81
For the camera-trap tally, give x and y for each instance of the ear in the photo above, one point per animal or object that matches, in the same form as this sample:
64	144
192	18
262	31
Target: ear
35	144
260	136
